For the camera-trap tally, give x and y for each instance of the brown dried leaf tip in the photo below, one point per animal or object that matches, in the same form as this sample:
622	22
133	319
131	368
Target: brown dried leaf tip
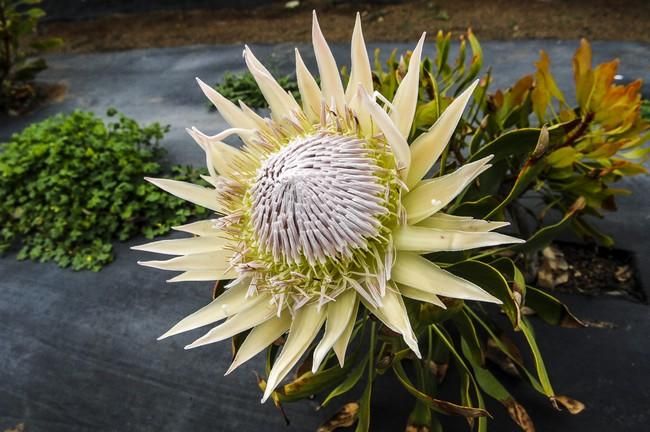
345	417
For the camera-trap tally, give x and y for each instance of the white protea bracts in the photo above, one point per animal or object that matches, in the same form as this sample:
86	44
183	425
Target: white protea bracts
323	208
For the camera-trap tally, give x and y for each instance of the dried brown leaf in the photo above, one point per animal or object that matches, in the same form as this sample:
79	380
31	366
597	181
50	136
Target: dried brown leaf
554	269
519	415
20	427
345	417
599	324
574	406
460	410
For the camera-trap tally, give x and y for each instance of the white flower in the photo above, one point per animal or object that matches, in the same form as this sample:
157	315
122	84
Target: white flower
324	207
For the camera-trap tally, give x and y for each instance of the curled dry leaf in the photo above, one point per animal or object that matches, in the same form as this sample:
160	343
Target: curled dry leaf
345	417
519	415
600	324
574	406
554	269
623	273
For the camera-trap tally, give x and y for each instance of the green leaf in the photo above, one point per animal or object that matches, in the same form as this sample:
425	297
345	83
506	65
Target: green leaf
438	405
521	141
349	382
544	236
540	367
363	424
550	309
491	385
491	280
532	379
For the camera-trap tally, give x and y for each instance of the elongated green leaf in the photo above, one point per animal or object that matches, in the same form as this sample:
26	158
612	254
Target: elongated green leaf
466	375
438	405
532	379
545	235
491	385
516	281
528	174
550	309
349	382
477	208
521	141
540	367
363	425
491	280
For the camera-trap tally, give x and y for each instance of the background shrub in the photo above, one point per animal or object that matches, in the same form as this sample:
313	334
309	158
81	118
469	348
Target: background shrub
19	49
72	184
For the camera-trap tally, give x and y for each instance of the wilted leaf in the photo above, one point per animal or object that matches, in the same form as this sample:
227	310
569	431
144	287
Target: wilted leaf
554	269
519	415
345	417
574	406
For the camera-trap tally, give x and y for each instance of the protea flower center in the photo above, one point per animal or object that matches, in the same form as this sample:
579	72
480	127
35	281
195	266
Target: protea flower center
320	209
318	198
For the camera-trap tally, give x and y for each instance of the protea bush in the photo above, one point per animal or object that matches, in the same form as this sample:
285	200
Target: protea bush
355	232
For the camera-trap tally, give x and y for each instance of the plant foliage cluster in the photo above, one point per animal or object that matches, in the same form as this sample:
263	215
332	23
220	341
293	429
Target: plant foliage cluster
19	50
566	158
242	87
72	184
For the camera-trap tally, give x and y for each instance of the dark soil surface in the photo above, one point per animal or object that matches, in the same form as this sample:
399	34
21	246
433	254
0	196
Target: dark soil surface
625	20
592	270
596	271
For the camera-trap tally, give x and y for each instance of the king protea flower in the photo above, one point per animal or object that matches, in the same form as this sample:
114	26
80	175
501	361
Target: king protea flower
324	208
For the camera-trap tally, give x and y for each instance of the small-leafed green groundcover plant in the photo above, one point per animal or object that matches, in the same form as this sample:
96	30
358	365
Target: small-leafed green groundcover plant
350	225
19	49
72	184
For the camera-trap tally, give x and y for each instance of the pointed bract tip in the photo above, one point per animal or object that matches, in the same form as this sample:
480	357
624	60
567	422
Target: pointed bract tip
164	335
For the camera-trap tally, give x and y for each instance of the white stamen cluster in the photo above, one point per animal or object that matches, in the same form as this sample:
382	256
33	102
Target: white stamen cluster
318	198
